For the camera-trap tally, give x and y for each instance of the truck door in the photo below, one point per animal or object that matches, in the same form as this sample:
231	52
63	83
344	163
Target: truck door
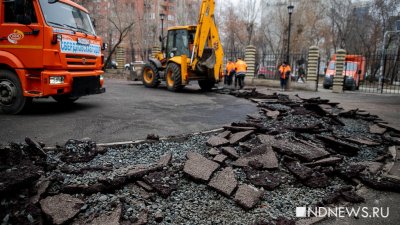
23	41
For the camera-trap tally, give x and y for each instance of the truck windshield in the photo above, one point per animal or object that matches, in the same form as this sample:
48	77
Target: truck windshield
351	66
331	65
62	15
178	42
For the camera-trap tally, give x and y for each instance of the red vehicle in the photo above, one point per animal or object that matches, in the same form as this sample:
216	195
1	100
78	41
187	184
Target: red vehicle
47	48
266	72
354	72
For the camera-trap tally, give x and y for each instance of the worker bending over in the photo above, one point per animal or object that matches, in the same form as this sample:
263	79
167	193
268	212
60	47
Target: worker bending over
230	72
241	68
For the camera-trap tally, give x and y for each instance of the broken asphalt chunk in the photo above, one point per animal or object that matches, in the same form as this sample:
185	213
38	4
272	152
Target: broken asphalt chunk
220	158
61	208
338	145
213	152
165	160
121	177
262	179
224	181
239	129
385	183
199	167
35	148
263	154
224	134
230	151
317	180
309	177
216	141
331	161
248	196
300	171
375	129
240	136
163	182
301	150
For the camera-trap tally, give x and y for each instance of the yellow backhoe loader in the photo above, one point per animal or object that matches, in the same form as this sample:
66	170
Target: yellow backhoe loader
191	53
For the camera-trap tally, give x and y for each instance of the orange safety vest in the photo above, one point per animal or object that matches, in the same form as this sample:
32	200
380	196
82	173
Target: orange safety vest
241	66
229	67
283	70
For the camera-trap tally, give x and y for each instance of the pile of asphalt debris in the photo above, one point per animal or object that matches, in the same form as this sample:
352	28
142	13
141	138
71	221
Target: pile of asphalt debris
293	152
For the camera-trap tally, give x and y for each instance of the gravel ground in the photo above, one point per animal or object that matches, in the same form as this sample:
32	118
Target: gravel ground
194	202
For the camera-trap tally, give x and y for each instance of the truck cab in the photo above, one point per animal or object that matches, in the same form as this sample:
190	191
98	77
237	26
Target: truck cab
47	48
354	72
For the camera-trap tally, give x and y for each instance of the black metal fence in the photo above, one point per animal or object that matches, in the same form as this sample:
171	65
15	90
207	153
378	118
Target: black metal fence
382	74
230	54
381	70
268	64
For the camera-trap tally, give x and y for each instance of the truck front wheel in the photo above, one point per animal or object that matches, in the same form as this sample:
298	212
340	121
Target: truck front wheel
12	100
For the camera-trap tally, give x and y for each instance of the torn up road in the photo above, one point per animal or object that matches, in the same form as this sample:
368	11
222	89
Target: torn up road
302	152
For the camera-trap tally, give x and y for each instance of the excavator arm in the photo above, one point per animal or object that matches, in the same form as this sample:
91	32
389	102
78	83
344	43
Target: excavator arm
207	45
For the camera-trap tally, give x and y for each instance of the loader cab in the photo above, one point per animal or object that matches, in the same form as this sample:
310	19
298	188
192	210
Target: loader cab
179	42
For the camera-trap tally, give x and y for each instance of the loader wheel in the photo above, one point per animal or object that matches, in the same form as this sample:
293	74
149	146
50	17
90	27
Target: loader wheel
151	77
65	99
206	85
173	77
12	100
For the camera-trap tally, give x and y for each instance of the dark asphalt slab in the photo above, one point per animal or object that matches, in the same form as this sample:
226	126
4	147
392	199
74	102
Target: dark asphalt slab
387	107
127	111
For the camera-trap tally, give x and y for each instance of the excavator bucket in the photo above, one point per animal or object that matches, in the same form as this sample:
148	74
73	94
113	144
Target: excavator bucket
208	59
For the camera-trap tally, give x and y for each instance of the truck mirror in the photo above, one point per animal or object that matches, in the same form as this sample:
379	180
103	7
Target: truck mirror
359	71
325	69
94	22
104	46
160	38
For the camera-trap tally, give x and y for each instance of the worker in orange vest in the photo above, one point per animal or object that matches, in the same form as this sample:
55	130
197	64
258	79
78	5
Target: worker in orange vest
241	69
230	72
284	71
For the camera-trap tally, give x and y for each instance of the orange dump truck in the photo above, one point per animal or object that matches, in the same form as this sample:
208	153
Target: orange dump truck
47	48
354	72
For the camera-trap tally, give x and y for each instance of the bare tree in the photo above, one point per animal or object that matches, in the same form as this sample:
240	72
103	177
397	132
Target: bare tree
122	23
250	11
187	12
232	34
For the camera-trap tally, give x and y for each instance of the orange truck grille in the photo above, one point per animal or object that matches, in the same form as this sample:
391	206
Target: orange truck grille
80	61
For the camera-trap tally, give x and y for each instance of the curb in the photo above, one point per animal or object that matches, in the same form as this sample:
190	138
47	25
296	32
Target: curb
122	143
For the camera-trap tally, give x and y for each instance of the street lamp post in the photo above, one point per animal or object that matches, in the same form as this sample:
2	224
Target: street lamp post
290	11
162	17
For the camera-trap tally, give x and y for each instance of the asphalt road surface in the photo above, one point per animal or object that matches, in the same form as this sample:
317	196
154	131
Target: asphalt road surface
127	111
